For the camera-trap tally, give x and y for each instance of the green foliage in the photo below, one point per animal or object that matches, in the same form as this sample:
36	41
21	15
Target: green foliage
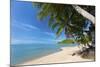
64	18
66	41
54	25
83	39
59	31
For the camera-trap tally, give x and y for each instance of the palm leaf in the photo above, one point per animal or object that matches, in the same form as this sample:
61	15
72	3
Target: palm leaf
55	25
51	20
59	31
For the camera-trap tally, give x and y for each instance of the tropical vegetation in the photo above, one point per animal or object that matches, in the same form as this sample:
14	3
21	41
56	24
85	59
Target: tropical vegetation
75	20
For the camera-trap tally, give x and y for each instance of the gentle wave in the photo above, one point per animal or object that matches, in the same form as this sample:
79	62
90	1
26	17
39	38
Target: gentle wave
24	52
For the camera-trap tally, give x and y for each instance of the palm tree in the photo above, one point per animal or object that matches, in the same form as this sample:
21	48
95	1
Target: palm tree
84	13
70	19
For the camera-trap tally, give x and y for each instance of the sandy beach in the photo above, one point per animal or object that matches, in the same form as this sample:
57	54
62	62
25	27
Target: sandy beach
64	56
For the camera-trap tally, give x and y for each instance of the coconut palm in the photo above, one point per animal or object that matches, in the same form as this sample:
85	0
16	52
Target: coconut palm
69	19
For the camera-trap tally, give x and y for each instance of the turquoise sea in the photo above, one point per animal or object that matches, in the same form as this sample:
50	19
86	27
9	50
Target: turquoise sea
24	52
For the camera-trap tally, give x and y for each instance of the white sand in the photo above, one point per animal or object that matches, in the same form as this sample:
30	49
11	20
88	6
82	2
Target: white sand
63	56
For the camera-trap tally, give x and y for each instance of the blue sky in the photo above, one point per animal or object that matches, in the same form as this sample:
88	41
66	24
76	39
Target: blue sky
27	28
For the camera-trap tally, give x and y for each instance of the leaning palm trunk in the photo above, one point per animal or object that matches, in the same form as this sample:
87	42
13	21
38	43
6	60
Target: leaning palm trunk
84	13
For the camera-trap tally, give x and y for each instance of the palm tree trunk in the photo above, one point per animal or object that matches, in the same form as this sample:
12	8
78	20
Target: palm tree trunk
84	13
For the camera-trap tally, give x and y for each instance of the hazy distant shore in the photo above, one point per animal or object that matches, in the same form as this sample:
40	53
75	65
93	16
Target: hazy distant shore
63	56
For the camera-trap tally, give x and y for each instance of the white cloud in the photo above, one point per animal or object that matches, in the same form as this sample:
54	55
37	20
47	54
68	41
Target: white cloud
49	33
21	27
24	26
30	26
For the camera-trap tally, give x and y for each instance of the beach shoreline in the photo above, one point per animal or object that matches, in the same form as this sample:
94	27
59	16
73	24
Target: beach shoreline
63	56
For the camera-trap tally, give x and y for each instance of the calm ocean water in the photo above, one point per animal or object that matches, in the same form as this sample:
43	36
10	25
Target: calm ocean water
24	52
